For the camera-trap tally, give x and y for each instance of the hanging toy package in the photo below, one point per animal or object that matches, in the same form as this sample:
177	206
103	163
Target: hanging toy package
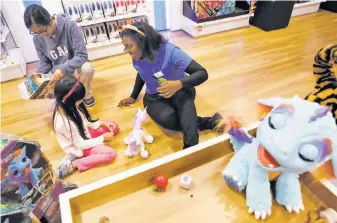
101	32
85	11
112	28
108	8
96	8
90	34
74	13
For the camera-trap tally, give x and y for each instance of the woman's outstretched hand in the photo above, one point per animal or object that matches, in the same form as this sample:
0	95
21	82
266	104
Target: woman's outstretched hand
169	88
126	102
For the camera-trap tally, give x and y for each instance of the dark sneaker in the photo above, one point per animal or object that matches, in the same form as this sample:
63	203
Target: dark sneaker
89	102
218	123
66	167
69	186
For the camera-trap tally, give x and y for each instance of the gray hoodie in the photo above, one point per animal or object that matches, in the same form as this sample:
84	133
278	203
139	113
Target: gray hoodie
66	51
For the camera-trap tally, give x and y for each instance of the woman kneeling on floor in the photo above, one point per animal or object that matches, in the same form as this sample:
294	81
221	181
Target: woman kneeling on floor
170	93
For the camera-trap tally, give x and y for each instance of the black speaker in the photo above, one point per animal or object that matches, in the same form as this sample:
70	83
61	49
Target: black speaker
329	6
272	15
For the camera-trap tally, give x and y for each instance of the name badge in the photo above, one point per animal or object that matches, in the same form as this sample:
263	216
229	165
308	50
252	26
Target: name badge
159	76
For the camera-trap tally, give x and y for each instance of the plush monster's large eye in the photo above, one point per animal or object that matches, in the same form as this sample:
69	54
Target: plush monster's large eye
308	152
24	159
15	172
277	121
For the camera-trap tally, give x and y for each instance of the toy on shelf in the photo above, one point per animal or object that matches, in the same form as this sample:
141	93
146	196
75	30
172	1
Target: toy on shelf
160	182
96	9
135	139
201	10
113	30
120	7
85	12
101	32
90	34
131	6
294	137
108	8
141	5
74	13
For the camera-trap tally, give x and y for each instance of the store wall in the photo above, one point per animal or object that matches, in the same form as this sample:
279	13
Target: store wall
53	6
160	15
17	26
176	11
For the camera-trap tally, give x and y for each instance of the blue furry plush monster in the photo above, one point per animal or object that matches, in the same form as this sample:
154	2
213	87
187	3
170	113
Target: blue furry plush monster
296	136
20	170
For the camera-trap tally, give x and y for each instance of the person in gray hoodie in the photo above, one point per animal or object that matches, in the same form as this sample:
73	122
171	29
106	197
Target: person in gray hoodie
60	46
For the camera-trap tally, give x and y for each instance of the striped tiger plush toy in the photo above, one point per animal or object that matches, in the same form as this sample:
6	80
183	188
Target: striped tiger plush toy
325	73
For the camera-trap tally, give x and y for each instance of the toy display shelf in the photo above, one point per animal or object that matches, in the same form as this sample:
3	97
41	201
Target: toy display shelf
306	8
113	18
204	28
213	200
112	47
15	66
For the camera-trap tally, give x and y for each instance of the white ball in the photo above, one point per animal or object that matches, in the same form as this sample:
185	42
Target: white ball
185	181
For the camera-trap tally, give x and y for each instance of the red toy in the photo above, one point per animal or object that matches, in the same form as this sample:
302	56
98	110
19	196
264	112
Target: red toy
160	182
102	129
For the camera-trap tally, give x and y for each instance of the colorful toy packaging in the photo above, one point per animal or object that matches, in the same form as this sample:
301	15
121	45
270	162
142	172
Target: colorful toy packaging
204	9
27	180
108	8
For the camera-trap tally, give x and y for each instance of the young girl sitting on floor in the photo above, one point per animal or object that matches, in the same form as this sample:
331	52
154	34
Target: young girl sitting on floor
71	122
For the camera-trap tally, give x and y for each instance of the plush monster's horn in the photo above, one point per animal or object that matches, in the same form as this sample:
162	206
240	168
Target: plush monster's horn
319	113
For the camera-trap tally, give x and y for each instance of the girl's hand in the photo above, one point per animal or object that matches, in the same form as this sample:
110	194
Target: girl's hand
126	102
109	126
108	136
169	88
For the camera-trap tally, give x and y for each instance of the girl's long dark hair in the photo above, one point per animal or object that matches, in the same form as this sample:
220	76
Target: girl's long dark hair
148	44
62	87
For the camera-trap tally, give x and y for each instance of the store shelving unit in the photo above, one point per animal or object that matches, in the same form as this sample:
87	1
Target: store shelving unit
236	18
306	7
112	46
12	62
220	25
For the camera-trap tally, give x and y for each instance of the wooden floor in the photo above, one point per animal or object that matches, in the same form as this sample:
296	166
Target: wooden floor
243	65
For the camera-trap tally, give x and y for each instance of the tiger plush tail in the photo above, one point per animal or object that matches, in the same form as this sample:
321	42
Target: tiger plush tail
325	74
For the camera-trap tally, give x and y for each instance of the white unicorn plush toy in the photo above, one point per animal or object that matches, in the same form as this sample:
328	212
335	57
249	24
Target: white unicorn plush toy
135	139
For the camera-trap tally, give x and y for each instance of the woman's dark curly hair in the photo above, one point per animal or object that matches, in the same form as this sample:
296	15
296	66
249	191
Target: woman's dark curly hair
148	44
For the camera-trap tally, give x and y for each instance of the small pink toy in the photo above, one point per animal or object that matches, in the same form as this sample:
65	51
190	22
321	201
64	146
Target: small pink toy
102	129
135	139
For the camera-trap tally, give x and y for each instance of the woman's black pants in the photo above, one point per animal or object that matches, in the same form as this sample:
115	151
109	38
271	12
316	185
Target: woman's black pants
178	113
